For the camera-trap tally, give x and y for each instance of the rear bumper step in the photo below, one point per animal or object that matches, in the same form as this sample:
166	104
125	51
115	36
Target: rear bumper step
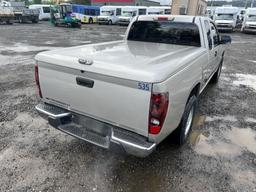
94	131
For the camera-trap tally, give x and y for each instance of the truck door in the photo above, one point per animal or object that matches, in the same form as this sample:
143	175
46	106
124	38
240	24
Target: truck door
207	69
217	52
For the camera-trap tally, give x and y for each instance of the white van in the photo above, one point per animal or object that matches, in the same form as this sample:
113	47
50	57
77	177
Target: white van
44	11
159	10
109	14
249	23
225	18
128	12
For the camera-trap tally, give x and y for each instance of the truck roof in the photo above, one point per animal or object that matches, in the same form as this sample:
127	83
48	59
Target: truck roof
251	11
179	18
227	10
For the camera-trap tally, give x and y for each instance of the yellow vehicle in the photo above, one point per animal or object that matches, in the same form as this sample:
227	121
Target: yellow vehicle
87	14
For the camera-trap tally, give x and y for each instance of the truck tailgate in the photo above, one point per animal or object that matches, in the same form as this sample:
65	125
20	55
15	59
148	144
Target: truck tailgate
113	100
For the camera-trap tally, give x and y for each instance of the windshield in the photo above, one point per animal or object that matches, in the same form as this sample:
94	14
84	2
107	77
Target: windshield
129	13
107	13
251	18
179	33
224	17
66	8
154	13
46	9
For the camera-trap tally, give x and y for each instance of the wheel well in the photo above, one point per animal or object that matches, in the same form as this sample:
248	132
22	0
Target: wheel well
195	91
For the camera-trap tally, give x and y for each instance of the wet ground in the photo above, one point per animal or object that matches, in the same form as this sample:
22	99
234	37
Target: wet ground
220	154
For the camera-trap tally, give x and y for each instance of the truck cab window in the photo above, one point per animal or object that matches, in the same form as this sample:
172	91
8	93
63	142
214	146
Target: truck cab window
215	35
209	34
178	33
142	11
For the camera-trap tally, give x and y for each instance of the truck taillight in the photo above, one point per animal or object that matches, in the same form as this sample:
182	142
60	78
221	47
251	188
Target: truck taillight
158	109
39	93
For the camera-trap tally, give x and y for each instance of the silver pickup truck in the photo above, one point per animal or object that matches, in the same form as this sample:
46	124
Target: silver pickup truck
132	93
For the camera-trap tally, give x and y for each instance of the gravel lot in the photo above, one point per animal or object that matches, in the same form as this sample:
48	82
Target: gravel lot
220	155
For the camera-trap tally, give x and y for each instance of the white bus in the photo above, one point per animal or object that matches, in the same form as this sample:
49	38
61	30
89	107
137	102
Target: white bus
44	13
128	12
226	18
159	10
249	23
109	14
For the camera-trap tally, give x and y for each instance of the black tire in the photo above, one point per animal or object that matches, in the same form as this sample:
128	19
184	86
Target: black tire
110	22
34	21
8	22
20	20
90	21
182	132
216	76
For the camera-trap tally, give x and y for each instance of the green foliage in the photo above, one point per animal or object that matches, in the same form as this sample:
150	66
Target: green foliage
82	2
37	1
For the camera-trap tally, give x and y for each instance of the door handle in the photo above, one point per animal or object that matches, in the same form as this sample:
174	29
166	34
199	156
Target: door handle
216	53
84	82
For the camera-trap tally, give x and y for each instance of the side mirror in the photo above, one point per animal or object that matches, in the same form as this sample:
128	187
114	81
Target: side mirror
225	39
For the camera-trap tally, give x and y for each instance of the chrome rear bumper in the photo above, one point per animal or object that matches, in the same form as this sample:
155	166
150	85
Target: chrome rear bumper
94	131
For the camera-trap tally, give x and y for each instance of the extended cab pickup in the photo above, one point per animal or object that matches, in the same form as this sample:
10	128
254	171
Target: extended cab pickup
135	92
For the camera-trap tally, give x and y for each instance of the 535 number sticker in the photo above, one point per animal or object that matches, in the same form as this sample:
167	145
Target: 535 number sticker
144	86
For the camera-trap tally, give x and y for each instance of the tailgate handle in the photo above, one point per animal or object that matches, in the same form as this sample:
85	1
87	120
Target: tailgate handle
84	82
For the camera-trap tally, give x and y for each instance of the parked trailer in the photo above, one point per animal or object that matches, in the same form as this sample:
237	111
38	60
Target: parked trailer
86	14
249	23
159	10
109	14
6	15
22	13
225	18
129	12
44	11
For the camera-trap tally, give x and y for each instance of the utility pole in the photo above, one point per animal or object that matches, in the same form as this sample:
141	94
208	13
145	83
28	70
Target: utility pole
245	6
252	3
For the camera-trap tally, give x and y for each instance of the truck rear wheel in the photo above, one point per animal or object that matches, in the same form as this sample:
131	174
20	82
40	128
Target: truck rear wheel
183	131
216	76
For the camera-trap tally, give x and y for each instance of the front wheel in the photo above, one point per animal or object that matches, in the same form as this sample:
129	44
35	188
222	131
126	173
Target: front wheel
110	22
187	120
20	20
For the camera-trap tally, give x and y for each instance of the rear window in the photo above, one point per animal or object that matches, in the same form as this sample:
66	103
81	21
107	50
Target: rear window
169	32
46	9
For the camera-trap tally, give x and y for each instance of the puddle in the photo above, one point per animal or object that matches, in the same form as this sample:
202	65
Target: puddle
246	80
222	118
18	59
22	47
252	61
229	143
250	120
197	137
199	120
